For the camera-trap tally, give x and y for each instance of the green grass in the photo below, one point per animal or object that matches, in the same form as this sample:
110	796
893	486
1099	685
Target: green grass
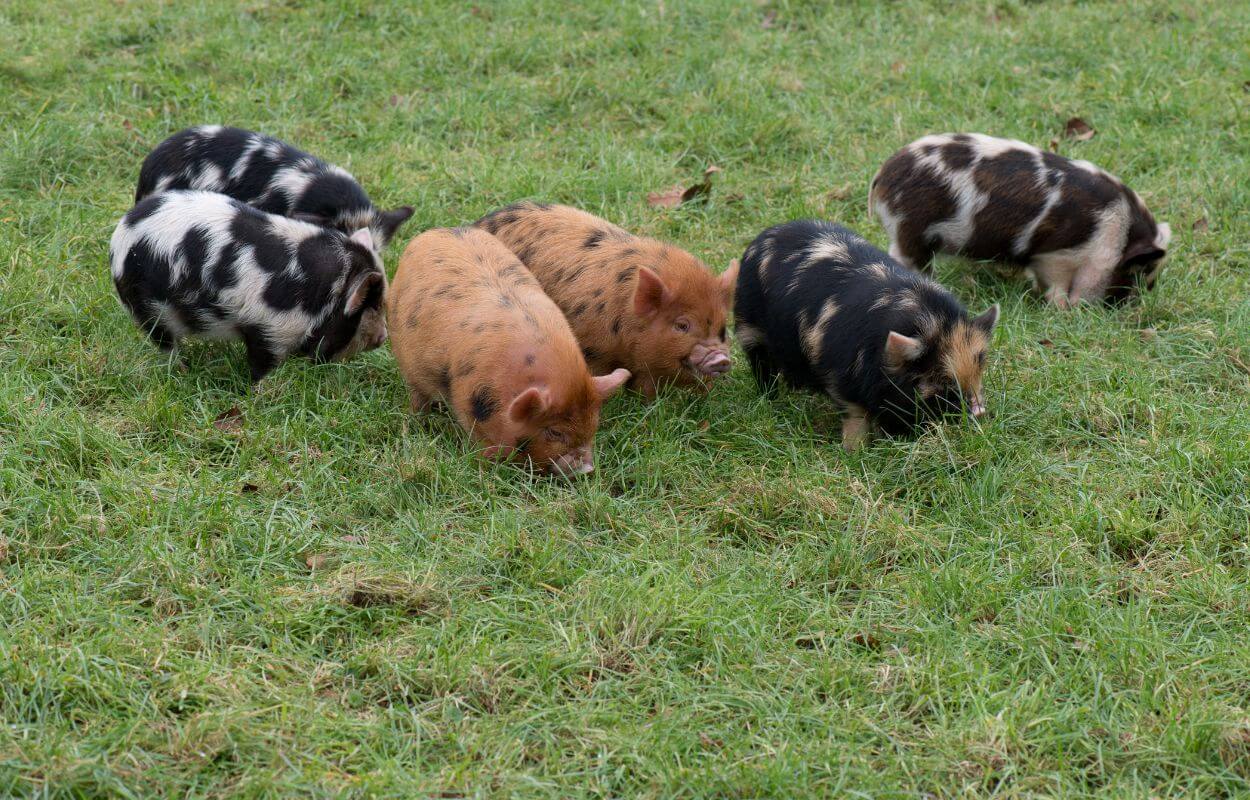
1053	603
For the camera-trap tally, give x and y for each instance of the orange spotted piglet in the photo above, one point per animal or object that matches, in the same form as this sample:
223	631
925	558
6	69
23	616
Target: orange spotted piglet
472	327
633	302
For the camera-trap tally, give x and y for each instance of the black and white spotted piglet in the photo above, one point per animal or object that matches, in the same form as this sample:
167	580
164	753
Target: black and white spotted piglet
829	312
267	173
1079	230
200	264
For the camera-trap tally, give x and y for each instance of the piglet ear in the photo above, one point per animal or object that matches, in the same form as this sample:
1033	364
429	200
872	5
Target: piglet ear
605	385
988	320
728	281
651	294
391	220
1164	237
363	236
901	350
527	405
359	293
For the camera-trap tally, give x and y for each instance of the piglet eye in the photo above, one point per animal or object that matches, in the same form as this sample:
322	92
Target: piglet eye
682	326
554	435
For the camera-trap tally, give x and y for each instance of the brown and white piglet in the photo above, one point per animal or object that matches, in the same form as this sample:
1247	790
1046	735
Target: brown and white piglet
1078	230
633	302
472	327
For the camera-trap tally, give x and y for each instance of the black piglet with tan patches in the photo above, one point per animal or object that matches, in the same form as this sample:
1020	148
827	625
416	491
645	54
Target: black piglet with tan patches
824	309
266	173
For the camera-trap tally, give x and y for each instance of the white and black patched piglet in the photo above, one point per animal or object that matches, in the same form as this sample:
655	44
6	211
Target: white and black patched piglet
267	173
1079	231
200	264
827	311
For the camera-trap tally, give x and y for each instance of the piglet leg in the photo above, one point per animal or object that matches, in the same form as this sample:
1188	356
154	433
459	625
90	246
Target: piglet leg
856	427
260	359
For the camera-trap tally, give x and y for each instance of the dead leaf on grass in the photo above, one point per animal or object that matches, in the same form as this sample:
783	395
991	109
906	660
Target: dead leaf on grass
316	561
1200	225
678	195
229	421
1076	129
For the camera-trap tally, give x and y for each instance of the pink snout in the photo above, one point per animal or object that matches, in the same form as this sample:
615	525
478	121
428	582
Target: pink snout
711	362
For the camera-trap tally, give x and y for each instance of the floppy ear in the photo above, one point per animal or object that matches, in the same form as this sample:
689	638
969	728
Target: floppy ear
391	220
900	349
363	236
527	405
1164	237
651	294
606	385
728	281
359	293
988	320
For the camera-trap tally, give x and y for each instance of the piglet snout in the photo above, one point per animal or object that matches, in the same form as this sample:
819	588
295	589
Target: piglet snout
976	408
711	362
575	462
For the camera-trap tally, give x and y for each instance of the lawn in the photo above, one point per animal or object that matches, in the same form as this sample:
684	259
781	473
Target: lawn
305	590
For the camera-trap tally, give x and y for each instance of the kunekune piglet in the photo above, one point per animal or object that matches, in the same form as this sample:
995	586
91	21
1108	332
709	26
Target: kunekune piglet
632	302
1078	230
200	264
471	326
829	312
267	173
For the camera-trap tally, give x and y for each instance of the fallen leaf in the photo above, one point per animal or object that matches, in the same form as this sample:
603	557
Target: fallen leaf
1078	129
709	742
1200	225
229	421
249	488
1147	334
128	125
676	195
866	639
898	68
770	19
316	561
1046	343
733	197
352	538
704	425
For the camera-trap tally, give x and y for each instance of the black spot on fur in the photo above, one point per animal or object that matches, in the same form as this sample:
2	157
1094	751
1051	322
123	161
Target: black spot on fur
530	358
625	275
578	310
616	326
599	309
483	403
444	381
594	239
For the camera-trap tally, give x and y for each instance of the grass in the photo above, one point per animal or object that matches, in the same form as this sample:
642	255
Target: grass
329	596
